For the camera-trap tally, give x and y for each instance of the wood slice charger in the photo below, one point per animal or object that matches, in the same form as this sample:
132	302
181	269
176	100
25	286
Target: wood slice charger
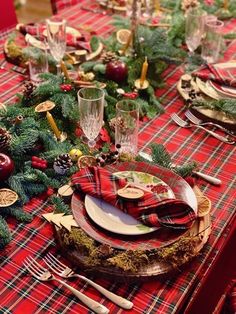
78	254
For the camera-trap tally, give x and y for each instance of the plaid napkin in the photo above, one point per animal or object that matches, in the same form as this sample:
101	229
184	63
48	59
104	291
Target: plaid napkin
72	41
223	76
152	209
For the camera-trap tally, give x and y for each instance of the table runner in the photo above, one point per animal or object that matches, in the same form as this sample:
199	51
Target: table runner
20	293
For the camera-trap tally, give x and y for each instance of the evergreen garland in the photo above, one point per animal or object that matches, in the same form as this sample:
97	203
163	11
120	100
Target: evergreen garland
224	105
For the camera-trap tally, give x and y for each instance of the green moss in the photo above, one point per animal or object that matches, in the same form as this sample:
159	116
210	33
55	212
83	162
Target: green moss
129	260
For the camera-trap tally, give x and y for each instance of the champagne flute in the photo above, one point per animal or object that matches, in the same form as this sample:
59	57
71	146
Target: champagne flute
91	107
193	29
56	34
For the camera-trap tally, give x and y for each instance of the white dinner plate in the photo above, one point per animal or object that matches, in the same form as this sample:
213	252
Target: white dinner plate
113	219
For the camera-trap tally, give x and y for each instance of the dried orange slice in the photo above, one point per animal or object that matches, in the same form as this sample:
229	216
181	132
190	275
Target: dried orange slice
123	35
7	197
86	161
204	206
45	106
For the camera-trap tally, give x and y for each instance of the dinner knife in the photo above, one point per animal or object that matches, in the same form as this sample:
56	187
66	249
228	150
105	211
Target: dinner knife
206	177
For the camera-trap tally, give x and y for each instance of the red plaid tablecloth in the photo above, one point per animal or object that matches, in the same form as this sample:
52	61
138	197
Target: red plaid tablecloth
20	293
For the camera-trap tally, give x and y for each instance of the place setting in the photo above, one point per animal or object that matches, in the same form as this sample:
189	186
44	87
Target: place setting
208	90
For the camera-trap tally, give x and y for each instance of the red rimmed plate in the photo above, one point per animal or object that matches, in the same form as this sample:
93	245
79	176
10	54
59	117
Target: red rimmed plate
156	239
223	90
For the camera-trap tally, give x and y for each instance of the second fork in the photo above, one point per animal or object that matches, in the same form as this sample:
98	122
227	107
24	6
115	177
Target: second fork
42	274
189	115
184	124
64	271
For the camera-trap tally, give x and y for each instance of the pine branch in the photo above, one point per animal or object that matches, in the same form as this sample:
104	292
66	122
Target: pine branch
15	183
185	170
5	235
160	155
225	105
24	142
43	178
17	213
60	206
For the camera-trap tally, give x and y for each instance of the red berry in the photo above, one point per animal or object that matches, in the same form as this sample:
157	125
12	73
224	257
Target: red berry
66	87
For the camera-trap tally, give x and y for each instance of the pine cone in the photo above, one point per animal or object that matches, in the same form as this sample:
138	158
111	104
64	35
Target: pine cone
62	163
186	4
5	139
108	56
28	90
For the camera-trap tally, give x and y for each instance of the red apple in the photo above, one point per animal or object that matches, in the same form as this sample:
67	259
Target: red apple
6	167
116	71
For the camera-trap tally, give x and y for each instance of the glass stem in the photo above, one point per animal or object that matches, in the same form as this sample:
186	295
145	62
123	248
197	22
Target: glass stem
58	69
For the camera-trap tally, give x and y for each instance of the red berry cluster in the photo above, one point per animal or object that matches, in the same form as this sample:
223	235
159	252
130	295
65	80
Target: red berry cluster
39	163
159	189
131	95
66	87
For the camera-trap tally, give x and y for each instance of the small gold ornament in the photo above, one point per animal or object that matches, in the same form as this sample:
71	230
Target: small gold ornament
75	154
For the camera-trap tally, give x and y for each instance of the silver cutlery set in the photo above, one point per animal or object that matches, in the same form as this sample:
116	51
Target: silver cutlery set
193	121
43	274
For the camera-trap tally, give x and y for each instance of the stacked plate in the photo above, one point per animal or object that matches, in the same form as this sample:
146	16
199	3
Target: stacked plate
216	90
109	225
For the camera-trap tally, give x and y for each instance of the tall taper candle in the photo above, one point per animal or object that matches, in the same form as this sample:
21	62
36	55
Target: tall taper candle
144	72
53	125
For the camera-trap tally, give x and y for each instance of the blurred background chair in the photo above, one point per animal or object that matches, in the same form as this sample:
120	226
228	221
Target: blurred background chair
8	15
58	5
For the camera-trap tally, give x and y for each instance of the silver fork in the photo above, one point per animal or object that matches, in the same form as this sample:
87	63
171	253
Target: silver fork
43	274
64	271
185	124
197	121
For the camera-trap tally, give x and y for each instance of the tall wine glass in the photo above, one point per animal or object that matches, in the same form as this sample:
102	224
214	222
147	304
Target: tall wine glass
56	34
194	28
91	107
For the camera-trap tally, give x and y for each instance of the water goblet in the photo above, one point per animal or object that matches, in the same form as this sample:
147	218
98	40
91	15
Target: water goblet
91	107
56	35
127	126
194	28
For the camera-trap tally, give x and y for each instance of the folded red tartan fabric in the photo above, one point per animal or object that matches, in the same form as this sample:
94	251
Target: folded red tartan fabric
221	75
71	40
152	209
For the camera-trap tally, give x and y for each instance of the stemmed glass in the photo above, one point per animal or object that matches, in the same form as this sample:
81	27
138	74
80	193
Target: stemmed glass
91	107
194	28
56	35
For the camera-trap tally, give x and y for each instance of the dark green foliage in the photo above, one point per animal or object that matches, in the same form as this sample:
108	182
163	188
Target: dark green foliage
5	235
94	43
161	157
225	105
17	212
154	44
176	33
185	170
60	206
